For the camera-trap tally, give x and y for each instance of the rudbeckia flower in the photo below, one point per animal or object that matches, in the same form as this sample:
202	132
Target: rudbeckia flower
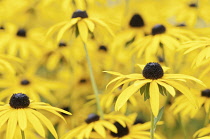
151	83
182	105
80	23
20	112
92	122
199	45
163	39
29	83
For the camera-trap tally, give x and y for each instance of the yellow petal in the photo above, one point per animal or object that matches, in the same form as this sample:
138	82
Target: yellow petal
154	97
12	124
109	126
35	122
22	120
125	95
169	88
83	31
90	24
46	122
99	129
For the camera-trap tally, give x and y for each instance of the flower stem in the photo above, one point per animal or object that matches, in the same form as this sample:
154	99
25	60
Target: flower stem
152	129
93	82
22	134
207	118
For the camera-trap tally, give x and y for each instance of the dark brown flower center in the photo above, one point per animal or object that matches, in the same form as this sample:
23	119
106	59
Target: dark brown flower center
62	44
103	48
193	5
19	100
158	29
21	33
153	71
121	131
205	93
136	21
25	82
79	13
92	118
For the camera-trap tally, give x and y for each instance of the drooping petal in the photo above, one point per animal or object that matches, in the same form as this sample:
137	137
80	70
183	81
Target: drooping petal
12	124
22	120
109	126
169	88
83	30
35	122
154	97
90	24
125	95
99	129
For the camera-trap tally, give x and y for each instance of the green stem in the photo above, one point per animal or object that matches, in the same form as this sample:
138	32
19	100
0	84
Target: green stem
152	129
206	118
93	82
22	134
182	127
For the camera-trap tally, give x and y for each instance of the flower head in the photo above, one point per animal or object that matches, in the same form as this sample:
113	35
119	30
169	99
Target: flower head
20	112
152	82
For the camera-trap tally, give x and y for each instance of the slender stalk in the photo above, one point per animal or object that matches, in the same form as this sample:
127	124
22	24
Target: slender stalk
93	82
206	118
22	134
182	127
152	129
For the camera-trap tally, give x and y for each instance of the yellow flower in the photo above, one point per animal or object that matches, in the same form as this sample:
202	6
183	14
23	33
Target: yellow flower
80	23
151	83
92	122
202	132
182	105
163	39
29	83
20	112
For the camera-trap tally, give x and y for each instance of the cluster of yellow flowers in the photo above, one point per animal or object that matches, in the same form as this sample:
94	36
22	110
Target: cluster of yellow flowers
123	69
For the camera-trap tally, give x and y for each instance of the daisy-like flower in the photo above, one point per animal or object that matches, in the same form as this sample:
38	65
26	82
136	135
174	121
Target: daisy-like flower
29	83
93	122
182	105
201	46
20	112
81	23
151	83
162	38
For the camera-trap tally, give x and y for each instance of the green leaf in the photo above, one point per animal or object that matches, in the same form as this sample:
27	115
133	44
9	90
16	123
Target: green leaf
160	114
146	92
142	89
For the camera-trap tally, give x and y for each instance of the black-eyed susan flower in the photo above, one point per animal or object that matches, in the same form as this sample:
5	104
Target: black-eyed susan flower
29	83
79	23
93	122
151	83
163	40
182	105
21	111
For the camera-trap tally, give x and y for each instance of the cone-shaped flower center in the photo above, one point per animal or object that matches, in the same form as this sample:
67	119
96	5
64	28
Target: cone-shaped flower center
121	131
92	118
158	29
102	48
2	27
194	5
136	21
153	71
66	109
83	80
138	121
79	13
181	25
205	93
21	33
19	101
25	82
62	44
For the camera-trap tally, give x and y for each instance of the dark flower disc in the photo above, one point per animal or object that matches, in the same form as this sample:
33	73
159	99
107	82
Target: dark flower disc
194	5
25	82
62	44
136	21
19	100
21	33
121	131
92	118
158	29
102	48
153	71
205	93
139	121
79	13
